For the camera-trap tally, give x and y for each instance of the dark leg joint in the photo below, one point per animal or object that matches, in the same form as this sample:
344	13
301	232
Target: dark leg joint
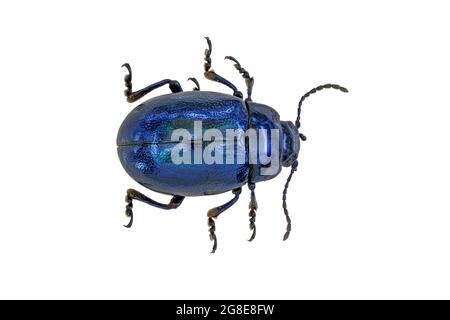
175	86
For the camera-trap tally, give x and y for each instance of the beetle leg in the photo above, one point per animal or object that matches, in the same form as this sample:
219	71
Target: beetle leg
197	85
211	75
253	206
132	194
215	212
134	96
249	81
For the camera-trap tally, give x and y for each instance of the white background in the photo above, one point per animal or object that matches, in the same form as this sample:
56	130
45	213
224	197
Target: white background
369	203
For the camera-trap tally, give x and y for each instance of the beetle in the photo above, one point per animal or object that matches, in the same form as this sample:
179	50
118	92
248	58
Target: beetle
145	143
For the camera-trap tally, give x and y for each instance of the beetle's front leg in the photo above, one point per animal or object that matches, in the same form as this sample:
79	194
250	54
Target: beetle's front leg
249	81
211	75
215	212
132	194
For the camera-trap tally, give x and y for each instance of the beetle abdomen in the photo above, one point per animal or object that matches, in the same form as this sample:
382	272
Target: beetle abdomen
145	143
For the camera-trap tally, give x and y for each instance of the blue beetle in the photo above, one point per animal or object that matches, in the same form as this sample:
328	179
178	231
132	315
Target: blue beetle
145	143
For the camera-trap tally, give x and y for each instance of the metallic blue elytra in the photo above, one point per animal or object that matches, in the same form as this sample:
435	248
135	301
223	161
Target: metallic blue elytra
145	142
260	144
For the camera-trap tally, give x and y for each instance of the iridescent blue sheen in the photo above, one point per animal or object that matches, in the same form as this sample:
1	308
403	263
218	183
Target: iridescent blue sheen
266	118
145	142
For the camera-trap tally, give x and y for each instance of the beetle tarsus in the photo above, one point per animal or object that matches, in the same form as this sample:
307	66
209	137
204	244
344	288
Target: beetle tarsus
208	52
127	79
212	235
253	206
211	75
129	211
249	81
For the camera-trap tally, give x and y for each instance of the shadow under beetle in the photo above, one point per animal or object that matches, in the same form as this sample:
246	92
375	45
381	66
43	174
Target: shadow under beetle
144	143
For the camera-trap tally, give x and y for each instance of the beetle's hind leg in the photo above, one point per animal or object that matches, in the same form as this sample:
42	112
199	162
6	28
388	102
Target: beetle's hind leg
215	212
134	96
211	75
132	194
249	81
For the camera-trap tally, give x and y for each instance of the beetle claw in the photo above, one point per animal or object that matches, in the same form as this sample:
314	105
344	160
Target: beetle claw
127	65
253	234
213	213
197	85
130	223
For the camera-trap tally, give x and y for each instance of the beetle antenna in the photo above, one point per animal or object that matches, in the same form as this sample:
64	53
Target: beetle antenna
303	138
253	206
306	95
286	212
